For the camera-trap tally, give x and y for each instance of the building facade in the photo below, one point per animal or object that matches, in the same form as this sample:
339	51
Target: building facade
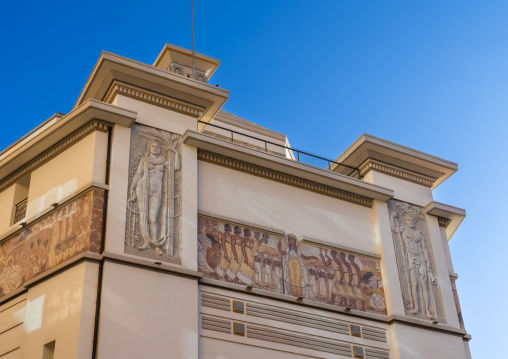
148	223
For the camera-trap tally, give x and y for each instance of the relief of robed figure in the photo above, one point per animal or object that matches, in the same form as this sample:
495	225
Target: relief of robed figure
420	287
152	198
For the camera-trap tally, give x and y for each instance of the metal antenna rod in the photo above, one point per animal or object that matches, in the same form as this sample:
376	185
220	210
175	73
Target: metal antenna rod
193	39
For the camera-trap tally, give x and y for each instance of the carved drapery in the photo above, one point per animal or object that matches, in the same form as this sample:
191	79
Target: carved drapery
154	195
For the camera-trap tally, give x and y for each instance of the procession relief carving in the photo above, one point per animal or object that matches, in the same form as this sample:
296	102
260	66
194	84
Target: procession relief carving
420	289
69	230
154	198
244	255
457	304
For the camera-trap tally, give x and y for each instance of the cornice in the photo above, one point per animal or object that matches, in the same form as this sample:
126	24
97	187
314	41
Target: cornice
54	151
110	68
287	166
371	164
283	178
448	217
119	88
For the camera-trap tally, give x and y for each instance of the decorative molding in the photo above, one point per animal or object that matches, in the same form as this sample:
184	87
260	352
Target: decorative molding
283	178
54	151
371	164
118	88
443	222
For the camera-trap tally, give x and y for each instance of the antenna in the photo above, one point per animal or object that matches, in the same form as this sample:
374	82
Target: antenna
193	39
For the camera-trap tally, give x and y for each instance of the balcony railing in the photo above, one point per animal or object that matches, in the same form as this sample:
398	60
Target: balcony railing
276	149
20	210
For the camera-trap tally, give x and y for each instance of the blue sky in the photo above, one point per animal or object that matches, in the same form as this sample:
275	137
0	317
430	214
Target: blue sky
430	75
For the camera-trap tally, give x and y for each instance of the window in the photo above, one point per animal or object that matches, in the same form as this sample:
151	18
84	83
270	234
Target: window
48	352
20	200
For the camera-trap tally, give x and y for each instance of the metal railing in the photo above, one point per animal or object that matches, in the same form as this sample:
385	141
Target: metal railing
20	210
257	143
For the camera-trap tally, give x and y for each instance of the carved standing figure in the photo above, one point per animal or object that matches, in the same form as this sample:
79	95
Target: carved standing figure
417	259
151	187
296	280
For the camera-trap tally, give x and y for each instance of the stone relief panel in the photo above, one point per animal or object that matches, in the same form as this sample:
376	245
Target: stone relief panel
415	262
244	255
154	198
71	229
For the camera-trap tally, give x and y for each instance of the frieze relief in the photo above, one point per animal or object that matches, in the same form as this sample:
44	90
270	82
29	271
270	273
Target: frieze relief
69	230
415	262
273	262
154	195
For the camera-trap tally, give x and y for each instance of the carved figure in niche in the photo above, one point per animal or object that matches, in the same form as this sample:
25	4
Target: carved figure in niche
151	188
417	259
296	281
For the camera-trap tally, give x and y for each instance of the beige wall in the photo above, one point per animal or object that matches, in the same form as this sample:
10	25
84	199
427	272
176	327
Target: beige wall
147	314
443	274
403	190
60	308
268	203
12	315
211	348
414	343
74	168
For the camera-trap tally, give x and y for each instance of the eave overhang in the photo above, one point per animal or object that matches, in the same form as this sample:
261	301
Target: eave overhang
453	215
112	68
57	128
427	168
287	166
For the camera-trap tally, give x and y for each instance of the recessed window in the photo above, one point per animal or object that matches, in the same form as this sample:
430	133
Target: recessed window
20	200
48	352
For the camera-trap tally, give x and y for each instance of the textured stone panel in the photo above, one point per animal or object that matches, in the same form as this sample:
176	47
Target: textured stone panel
244	255
153	228
62	234
415	261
